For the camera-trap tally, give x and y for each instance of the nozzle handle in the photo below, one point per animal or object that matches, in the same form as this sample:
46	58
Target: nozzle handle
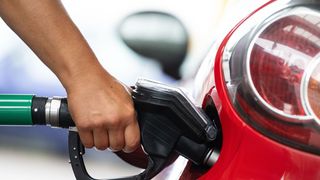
54	112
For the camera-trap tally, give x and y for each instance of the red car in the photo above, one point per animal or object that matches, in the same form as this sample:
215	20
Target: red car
261	84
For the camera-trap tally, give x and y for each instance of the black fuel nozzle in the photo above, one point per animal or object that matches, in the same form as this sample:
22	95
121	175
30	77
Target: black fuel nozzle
169	122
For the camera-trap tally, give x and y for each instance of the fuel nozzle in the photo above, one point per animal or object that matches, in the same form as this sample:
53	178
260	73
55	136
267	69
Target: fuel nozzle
169	121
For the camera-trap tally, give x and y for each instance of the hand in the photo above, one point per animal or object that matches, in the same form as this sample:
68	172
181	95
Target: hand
103	112
100	106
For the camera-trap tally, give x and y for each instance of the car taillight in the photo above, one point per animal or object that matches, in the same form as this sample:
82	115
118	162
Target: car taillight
310	89
272	74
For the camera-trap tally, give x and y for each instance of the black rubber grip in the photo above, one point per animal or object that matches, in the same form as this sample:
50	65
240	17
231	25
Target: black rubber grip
194	151
38	112
65	120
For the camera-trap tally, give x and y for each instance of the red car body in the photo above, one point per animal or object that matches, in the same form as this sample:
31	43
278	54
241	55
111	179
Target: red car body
286	149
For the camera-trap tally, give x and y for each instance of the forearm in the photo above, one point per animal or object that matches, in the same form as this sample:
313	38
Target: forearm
48	30
101	107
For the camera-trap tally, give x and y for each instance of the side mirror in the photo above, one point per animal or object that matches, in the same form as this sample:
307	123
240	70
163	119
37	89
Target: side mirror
159	36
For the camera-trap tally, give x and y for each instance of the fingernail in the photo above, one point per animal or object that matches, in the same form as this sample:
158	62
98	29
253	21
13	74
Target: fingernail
113	150
126	150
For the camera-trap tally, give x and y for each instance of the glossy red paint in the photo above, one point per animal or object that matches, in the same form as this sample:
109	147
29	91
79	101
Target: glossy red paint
245	153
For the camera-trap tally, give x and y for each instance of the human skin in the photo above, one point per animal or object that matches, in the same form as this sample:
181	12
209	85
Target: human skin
100	105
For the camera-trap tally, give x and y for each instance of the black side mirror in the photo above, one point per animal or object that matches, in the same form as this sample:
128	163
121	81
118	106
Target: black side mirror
159	36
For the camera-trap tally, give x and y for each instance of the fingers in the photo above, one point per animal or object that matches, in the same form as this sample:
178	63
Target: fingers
116	139
107	119
101	140
86	137
132	137
113	137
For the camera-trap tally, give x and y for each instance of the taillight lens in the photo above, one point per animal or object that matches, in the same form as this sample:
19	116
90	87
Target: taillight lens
273	77
310	90
278	58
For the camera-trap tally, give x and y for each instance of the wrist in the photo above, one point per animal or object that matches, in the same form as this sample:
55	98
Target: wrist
82	74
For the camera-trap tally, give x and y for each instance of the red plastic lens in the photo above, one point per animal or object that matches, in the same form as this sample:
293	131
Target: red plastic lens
278	61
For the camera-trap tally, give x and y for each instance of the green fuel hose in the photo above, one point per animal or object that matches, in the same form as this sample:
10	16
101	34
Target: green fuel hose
17	109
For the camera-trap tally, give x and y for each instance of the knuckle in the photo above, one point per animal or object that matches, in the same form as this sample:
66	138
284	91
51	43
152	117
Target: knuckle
114	122
83	124
130	113
95	120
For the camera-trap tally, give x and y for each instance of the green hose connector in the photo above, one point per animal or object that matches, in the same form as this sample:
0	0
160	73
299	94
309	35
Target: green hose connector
15	109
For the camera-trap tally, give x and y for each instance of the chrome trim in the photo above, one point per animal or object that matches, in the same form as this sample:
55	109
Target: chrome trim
211	158
75	129
304	87
52	111
47	110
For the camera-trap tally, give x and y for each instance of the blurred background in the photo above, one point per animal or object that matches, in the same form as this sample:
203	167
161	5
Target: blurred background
160	40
